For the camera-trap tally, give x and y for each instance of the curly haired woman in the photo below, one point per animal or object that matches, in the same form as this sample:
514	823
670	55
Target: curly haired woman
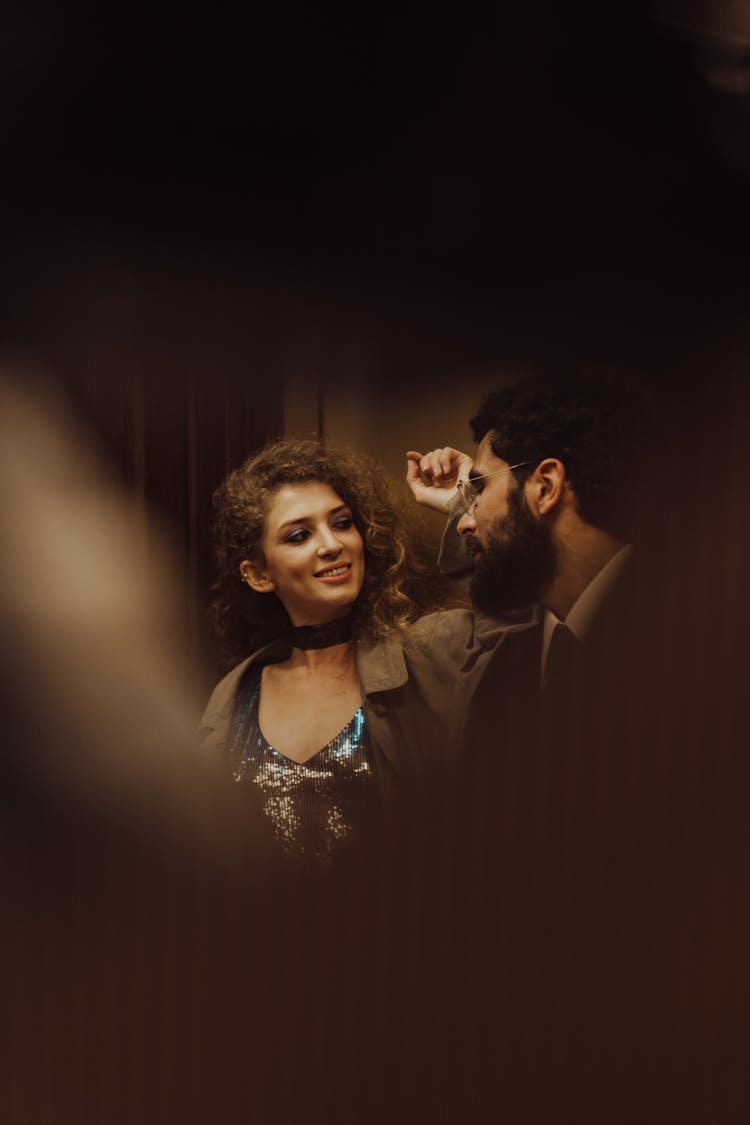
337	710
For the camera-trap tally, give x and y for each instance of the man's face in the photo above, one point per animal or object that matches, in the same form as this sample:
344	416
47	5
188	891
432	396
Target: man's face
513	549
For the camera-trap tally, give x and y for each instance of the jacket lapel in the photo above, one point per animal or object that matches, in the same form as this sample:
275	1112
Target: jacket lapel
382	668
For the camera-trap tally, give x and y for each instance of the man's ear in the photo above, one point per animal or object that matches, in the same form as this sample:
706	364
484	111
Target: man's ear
256	577
546	487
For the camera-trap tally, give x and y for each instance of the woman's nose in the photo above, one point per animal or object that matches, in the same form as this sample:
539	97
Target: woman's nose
329	544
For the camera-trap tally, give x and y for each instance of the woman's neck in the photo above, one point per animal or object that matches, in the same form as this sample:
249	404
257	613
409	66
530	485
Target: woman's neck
322	635
333	659
326	647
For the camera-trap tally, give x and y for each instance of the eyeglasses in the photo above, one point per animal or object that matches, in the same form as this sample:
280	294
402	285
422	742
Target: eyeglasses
468	491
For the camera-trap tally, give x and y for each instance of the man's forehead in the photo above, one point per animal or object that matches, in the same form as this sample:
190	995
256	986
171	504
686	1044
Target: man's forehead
486	461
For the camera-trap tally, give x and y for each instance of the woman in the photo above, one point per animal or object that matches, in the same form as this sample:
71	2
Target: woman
331	715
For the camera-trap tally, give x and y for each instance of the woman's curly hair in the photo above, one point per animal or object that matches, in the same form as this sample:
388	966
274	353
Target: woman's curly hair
390	596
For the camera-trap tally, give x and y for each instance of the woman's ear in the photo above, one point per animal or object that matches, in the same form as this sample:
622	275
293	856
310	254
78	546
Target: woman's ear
547	486
256	577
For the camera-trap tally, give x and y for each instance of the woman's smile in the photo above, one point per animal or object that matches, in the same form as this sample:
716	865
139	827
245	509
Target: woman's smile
337	573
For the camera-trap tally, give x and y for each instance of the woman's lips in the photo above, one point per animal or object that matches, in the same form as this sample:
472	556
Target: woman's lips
335	574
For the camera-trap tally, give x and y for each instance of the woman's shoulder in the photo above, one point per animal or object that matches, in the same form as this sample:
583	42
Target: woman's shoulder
219	707
222	696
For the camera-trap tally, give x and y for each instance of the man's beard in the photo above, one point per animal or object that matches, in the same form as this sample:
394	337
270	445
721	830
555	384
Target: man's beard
516	564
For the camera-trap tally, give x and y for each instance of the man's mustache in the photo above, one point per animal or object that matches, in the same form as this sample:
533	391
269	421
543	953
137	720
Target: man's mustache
473	546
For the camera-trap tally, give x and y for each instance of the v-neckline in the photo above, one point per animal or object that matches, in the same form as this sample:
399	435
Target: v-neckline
293	761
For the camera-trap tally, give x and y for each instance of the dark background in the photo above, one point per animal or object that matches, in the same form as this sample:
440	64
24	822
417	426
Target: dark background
197	211
528	148
196	208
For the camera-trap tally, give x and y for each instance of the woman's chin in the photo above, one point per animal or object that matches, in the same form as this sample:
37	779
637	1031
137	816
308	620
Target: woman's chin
323	615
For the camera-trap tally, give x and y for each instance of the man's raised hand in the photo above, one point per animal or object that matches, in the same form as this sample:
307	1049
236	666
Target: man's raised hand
433	476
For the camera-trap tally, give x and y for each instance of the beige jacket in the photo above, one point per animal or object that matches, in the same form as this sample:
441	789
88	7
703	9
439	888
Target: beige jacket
415	690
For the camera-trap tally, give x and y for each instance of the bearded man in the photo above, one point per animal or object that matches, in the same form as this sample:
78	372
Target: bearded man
547	506
600	850
563	799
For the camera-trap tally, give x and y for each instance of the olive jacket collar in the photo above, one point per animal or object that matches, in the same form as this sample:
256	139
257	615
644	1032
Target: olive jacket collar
382	668
416	689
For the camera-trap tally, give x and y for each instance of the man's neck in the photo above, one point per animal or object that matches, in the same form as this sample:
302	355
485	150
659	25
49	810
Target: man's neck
581	554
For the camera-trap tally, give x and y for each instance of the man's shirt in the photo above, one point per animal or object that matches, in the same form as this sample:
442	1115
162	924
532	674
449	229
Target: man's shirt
584	611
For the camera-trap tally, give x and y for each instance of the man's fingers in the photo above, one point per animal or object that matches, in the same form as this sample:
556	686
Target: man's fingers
428	479
432	465
443	464
413	460
422	466
448	462
438	468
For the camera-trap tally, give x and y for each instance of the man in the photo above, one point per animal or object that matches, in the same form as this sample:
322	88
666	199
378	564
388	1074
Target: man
561	801
546	507
601	853
547	510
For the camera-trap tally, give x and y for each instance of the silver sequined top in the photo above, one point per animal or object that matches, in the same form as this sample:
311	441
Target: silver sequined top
313	806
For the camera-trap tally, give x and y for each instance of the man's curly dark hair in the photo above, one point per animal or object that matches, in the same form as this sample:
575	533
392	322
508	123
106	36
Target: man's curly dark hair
595	425
244	619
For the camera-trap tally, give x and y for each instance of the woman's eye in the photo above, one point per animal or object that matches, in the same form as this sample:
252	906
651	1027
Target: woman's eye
343	522
298	536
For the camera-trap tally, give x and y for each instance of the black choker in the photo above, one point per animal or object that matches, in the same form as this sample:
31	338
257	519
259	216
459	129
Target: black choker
336	632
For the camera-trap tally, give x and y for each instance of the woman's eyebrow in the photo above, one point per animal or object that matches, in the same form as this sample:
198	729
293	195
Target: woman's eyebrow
310	519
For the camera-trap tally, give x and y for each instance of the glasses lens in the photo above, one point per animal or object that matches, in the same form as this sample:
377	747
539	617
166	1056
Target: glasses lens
468	496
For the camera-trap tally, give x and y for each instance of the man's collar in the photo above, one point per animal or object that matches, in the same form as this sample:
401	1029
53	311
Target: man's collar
584	611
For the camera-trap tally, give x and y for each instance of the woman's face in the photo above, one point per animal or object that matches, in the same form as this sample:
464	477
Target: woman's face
314	555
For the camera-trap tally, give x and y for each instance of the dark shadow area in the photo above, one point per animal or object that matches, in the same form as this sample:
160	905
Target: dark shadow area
194	215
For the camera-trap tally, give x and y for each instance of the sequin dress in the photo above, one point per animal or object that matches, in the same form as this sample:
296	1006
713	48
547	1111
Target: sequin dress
314	807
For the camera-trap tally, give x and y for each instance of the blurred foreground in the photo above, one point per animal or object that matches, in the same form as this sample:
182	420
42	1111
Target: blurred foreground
160	968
